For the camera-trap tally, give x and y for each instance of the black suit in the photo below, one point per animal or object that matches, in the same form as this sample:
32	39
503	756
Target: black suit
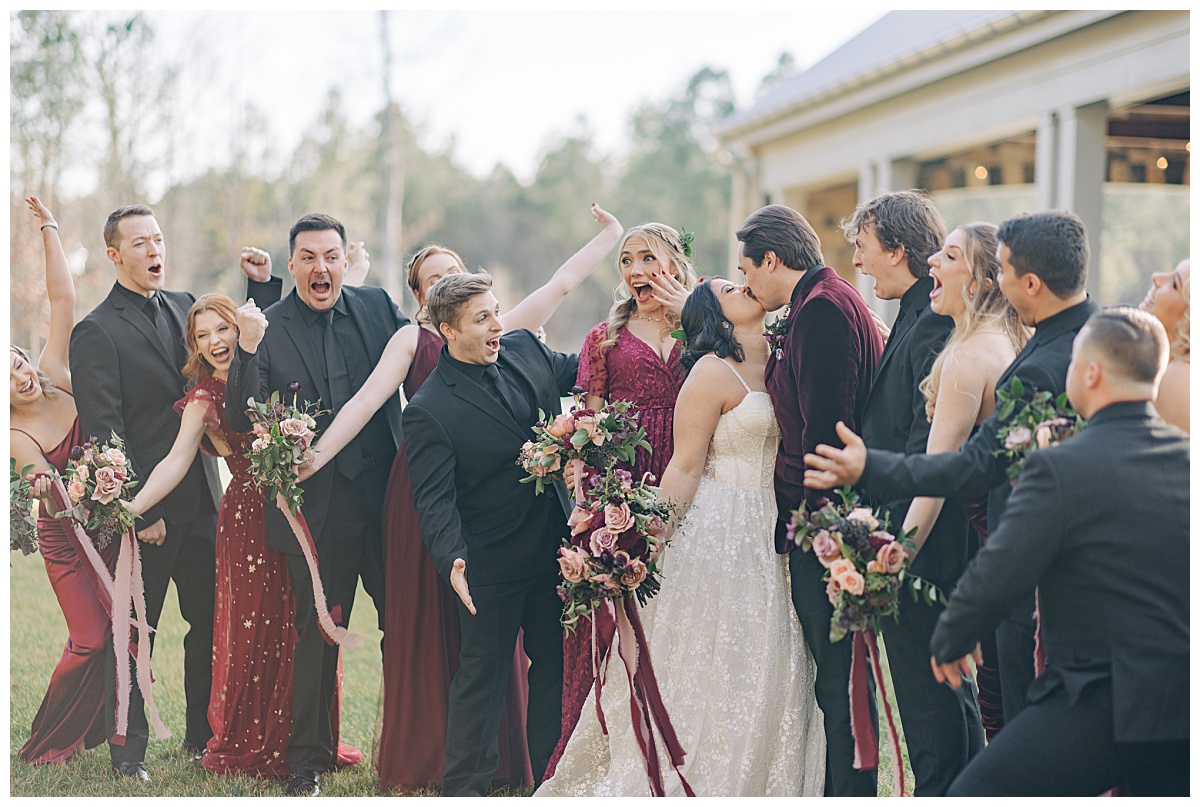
462	443
941	726
343	512
126	380
1099	524
974	468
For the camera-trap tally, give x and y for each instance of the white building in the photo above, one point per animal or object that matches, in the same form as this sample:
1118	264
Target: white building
995	113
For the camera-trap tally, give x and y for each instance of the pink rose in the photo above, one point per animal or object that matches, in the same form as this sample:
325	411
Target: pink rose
874	567
656	526
261	442
1017	438
561	427
293	427
82	472
573	563
826	548
261	429
840	567
1043	436
114	456
833	590
635	572
589	424
617	517
602	541
580	520
851	582
108	487
863	515
891	557
76	489
607	581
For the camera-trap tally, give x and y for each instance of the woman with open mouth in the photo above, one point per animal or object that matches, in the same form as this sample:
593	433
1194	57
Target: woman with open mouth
960	390
44	430
1170	299
632	357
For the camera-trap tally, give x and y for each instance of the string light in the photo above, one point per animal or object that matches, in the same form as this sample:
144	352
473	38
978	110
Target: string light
980	172
1162	163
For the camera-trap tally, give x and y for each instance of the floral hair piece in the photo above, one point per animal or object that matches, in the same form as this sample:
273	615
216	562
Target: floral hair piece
686	239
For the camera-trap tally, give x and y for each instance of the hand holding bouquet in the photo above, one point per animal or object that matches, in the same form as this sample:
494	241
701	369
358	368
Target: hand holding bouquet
592	437
283	436
616	534
1033	424
96	477
866	566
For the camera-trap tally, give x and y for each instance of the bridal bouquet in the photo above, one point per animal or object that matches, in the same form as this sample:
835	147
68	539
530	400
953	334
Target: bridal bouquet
591	437
96	477
616	535
283	436
866	566
1039	422
22	524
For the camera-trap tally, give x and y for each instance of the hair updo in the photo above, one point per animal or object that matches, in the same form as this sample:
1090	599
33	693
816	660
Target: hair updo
708	329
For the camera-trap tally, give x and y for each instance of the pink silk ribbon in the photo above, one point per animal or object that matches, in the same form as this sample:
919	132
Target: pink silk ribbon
332	633
120	596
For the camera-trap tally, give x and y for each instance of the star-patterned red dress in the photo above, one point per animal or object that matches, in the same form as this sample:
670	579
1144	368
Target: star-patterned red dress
250	708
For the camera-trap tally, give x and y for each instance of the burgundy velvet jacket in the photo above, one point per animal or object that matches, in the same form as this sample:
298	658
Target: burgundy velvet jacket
822	376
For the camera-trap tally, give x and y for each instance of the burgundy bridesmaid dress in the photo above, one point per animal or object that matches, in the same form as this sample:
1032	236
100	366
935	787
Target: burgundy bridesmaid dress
629	370
71	717
422	644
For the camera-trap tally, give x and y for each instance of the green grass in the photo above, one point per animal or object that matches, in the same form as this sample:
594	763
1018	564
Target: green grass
37	632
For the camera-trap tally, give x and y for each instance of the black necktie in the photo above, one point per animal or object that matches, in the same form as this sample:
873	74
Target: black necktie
500	388
349	459
158	318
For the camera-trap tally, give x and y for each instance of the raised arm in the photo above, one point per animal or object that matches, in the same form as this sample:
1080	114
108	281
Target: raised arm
532	312
54	361
260	284
956	410
249	368
701	401
382	384
170	472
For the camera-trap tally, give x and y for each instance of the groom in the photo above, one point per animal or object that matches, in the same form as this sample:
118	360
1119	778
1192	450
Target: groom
464	430
820	374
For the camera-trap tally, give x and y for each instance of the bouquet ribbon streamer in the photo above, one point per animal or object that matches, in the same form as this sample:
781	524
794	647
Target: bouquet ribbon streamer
866	742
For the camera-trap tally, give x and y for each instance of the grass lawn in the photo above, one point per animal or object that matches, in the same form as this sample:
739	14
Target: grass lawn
36	637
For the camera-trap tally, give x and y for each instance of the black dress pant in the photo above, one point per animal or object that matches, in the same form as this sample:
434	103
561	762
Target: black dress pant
1056	748
1014	648
942	728
340	556
477	692
833	678
188	557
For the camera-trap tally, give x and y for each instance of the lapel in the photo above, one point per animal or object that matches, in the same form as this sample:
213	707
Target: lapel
294	327
359	314
893	344
139	321
474	394
1022	357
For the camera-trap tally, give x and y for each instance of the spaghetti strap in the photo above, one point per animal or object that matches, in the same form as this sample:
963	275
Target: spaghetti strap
30	436
739	375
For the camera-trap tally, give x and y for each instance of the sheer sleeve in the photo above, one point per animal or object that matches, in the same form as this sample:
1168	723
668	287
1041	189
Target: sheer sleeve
593	373
214	404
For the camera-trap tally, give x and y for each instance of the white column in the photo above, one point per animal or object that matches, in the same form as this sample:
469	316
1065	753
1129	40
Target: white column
1045	166
1083	135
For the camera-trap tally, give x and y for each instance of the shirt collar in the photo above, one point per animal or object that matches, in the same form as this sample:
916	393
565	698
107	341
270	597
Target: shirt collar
310	316
805	282
472	371
1069	319
140	300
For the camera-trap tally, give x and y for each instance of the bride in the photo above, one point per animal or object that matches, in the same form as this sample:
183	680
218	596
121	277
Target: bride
735	674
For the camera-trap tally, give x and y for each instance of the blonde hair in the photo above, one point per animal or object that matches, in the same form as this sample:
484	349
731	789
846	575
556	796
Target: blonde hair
1181	345
48	387
987	308
197	367
414	273
667	246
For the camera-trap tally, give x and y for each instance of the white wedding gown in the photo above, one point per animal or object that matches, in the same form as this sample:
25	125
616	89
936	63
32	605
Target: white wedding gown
735	674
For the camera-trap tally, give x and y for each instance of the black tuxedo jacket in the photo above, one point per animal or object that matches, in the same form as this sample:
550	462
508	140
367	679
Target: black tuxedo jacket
894	420
126	381
1041	364
1099	523
462	446
284	356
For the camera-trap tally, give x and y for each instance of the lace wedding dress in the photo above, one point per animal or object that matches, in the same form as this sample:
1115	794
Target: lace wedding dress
735	673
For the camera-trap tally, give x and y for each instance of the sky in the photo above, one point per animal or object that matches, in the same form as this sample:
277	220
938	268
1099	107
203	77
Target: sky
497	85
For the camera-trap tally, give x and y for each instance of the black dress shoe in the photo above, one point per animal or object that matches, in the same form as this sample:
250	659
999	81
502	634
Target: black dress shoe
132	770
304	783
191	751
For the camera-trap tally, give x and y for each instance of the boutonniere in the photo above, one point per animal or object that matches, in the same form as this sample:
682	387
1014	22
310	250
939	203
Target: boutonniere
776	331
